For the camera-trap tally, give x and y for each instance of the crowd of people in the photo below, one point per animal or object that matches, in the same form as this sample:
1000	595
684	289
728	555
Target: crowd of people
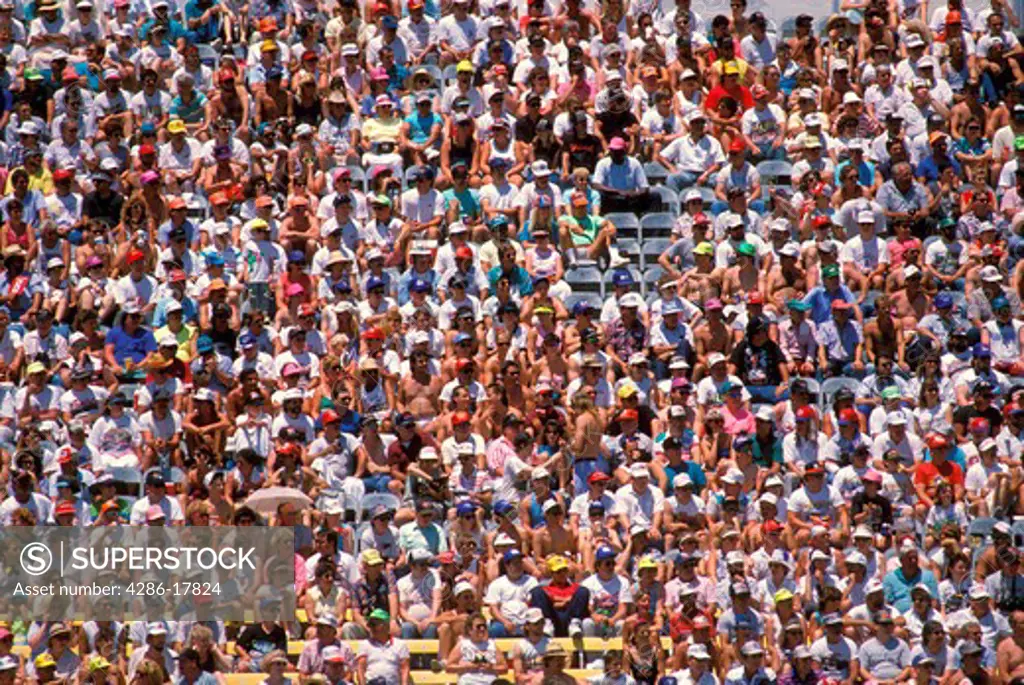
550	318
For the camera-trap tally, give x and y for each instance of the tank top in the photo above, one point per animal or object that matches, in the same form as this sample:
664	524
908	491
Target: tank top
532	654
307	114
508	154
536	512
544	264
462	153
374	400
17	239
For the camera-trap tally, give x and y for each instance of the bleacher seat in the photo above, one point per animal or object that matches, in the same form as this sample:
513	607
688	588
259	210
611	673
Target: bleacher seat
374	499
652	274
208	56
586	279
832	385
651	250
658	225
670	202
655	172
626	224
775	172
707	197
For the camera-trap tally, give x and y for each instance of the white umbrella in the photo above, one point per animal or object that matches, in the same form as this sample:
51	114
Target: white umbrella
267	500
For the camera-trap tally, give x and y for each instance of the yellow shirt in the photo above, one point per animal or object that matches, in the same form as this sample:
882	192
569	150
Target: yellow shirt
184	338
381	130
42	181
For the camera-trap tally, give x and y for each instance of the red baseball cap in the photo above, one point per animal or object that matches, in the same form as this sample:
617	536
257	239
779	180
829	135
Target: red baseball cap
756	297
464	252
329	416
979	424
629	415
64	509
806	413
460	418
177	203
147	149
62	174
601	476
135	256
849	416
463	364
771	526
936	441
373	333
737	145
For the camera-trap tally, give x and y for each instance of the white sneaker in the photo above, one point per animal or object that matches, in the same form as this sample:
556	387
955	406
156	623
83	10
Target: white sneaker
575	628
617	260
549	628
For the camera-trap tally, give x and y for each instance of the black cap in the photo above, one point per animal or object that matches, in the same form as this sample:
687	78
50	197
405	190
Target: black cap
155	478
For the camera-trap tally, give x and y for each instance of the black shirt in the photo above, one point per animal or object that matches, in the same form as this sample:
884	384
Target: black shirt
615	123
963	416
105	209
584	151
880	511
255	639
758	365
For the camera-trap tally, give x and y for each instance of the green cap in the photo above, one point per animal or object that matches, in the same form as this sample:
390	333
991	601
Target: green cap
949	221
380	615
704	248
798	305
745	249
830	270
381	200
1018	142
891	393
33	74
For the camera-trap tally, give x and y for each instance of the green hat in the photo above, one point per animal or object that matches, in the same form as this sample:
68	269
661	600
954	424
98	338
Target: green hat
745	249
33	74
381	200
380	615
830	270
949	221
704	248
891	393
798	305
1018	142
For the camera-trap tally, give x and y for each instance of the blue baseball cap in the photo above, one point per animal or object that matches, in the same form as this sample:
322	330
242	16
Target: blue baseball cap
581	307
502	508
943	301
462	336
374	282
204	344
604	553
1000	303
246	341
274	72
63	483
148	128
498	221
741	442
296	256
389	22
419	285
465	508
623	278
214	259
511	555
981	351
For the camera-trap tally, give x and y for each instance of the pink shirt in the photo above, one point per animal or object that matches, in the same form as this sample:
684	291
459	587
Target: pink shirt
740	422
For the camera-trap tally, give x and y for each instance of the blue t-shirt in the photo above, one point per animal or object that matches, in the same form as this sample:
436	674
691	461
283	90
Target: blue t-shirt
135	346
897	587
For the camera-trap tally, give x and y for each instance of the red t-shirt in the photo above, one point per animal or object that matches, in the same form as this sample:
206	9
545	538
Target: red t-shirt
950	472
561	592
741	95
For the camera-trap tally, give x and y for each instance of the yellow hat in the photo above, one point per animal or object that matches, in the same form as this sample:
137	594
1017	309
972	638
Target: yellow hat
783	595
704	248
98	663
465	65
557	563
268	46
258	223
626	390
372	557
176	126
647	562
731	68
45	660
35	367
